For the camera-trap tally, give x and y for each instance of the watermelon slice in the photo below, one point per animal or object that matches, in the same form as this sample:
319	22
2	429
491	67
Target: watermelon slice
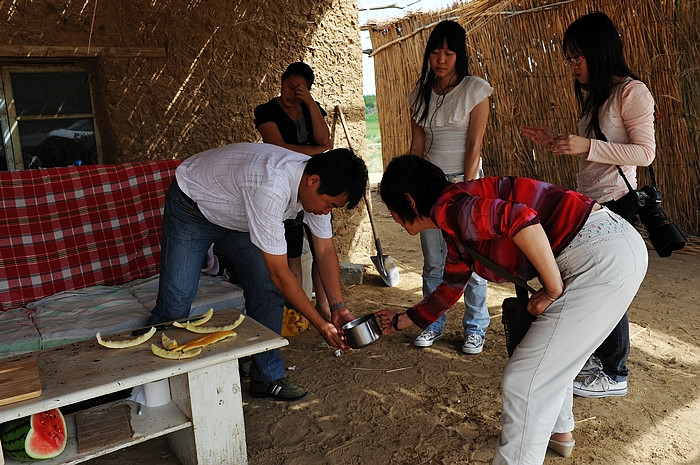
39	436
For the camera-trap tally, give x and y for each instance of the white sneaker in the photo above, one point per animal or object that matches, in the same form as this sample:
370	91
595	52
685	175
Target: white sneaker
599	385
593	365
426	338
473	344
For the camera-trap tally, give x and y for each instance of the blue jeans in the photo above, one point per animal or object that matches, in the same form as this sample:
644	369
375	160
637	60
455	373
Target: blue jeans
476	314
187	235
615	349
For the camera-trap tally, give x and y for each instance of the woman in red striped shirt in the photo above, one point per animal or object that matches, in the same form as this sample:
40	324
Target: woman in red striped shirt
588	259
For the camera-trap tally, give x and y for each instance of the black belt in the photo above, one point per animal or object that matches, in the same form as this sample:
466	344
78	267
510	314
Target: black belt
186	198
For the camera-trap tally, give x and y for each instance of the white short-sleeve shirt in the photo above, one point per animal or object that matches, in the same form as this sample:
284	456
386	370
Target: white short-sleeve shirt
448	122
250	187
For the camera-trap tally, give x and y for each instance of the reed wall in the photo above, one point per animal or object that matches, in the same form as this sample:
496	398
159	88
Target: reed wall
516	47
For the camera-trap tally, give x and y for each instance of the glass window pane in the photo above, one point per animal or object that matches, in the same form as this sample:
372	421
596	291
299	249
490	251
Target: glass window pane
45	94
51	143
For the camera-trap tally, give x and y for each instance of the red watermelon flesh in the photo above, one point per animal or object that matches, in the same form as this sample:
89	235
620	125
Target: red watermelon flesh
40	436
48	436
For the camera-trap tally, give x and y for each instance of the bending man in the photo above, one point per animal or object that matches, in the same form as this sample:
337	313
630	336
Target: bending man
237	197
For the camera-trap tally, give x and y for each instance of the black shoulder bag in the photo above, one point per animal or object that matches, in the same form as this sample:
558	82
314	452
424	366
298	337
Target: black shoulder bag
515	317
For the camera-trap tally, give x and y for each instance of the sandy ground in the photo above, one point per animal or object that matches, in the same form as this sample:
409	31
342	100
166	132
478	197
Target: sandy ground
391	403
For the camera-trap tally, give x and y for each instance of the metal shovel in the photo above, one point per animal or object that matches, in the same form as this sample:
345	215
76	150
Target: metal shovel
384	263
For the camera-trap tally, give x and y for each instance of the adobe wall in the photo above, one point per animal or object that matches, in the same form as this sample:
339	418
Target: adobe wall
222	58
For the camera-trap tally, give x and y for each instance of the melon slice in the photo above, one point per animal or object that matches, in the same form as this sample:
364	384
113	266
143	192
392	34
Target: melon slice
214	329
168	343
173	354
205	340
127	342
200	321
39	436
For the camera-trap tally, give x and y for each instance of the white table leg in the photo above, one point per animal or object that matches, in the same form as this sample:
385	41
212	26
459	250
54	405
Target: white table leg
211	397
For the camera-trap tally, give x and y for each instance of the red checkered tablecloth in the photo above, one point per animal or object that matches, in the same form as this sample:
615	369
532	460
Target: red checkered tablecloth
79	226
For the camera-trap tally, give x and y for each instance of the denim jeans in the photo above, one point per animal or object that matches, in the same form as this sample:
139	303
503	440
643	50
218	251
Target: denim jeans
187	235
476	314
615	349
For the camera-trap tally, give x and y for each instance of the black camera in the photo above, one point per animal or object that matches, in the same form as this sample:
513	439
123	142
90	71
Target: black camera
663	234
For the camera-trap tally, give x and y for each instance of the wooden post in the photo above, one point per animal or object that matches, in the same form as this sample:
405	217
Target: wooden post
211	397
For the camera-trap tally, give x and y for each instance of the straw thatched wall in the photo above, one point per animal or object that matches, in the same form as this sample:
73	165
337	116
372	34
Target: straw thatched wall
219	60
516	46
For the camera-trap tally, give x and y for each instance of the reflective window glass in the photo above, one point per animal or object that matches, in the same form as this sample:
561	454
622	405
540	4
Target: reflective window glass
50	143
38	94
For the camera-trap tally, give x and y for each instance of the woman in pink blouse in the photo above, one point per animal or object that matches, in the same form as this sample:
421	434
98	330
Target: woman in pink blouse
616	128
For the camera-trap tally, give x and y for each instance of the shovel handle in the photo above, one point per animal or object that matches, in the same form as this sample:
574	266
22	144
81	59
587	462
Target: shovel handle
341	117
371	219
378	245
384	273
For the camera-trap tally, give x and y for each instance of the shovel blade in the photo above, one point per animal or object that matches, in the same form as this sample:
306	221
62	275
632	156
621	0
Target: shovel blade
387	269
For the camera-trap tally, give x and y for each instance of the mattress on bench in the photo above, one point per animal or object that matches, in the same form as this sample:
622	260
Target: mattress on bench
213	292
71	316
17	332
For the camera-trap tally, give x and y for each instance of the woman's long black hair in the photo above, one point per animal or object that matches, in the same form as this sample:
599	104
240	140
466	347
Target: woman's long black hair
450	33
595	37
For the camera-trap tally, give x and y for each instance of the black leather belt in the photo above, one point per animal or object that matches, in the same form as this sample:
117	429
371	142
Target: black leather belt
186	198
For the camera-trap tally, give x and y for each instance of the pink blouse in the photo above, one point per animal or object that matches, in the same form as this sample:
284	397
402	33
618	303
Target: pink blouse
627	120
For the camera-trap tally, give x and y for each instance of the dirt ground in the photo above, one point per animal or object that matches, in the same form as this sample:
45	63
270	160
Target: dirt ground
391	403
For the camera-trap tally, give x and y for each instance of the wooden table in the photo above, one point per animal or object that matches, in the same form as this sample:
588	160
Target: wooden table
204	419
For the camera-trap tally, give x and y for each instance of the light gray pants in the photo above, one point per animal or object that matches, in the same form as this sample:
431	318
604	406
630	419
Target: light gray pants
602	270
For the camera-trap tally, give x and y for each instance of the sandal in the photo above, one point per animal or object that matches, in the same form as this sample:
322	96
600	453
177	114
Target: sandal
562	448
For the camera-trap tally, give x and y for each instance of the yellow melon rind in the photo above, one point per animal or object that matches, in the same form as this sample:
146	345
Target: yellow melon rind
198	322
214	329
168	343
126	342
174	354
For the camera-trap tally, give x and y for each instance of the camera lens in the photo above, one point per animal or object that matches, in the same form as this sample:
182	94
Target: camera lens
663	234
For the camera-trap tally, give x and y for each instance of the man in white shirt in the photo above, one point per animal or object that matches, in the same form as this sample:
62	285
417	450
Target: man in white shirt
237	197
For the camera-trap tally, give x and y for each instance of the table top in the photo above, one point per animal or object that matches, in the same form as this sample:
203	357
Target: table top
84	370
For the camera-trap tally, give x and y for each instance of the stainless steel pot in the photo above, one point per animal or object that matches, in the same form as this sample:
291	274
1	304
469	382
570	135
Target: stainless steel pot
362	331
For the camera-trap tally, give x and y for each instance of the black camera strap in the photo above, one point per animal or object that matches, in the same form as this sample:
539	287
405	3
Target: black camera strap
624	178
629	186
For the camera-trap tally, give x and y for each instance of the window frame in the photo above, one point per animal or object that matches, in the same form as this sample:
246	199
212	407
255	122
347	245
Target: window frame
9	120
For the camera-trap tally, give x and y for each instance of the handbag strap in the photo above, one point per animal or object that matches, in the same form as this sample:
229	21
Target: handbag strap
500	271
